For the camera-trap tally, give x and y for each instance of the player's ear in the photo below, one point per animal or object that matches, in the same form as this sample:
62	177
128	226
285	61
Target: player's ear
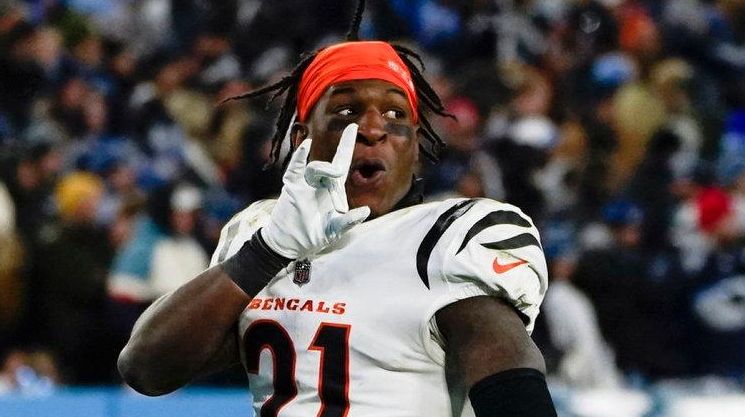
298	133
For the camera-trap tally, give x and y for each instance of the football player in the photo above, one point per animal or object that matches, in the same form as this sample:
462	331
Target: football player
347	296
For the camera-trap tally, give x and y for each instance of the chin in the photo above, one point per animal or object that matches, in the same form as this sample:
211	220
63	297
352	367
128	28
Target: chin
376	206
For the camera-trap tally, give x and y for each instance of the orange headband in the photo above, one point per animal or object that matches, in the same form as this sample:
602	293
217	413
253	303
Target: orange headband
350	61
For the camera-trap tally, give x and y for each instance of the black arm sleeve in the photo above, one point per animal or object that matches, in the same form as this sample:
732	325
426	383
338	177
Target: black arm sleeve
254	265
518	392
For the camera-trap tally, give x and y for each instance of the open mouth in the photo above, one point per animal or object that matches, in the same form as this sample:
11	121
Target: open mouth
366	171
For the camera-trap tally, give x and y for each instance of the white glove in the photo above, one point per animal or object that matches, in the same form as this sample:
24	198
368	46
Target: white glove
312	211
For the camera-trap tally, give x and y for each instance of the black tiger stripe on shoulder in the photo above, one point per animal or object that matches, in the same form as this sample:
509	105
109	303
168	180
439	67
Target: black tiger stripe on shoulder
492	219
519	241
435	233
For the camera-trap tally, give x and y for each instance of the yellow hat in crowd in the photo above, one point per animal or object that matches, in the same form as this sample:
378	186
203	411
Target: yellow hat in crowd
74	190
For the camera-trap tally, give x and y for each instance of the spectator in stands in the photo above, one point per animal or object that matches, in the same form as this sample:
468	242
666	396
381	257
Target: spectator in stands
674	81
71	272
178	257
30	177
465	168
685	232
21	75
635	294
162	252
213	52
651	186
562	178
568	332
717	299
527	140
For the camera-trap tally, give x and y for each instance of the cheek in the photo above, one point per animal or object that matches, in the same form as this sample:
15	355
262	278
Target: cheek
323	148
407	157
409	150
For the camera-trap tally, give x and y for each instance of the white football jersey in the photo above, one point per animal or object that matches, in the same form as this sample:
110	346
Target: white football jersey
356	335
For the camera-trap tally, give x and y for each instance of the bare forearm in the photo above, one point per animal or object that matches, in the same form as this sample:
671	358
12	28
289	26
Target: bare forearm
191	331
180	333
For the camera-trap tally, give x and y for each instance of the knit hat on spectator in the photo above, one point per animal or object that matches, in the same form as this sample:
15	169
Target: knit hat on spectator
75	190
186	198
714	205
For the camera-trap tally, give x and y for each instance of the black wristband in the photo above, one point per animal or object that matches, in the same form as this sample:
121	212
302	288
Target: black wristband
518	392
254	265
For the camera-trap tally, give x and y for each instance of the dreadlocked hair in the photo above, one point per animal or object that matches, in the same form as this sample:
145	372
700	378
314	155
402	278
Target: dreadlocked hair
289	85
354	27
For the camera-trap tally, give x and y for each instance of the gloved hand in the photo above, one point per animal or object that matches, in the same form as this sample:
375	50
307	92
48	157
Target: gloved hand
312	211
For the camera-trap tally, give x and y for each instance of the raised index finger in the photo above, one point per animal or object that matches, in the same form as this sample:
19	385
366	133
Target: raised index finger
344	151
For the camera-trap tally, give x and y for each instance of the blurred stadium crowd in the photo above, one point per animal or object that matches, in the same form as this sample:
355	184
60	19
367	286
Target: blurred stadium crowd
619	126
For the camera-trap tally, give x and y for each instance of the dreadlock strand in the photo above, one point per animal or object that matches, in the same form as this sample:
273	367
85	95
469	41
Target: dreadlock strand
435	141
425	90
283	124
288	84
278	93
409	53
434	136
354	29
429	94
429	103
279	85
429	152
288	109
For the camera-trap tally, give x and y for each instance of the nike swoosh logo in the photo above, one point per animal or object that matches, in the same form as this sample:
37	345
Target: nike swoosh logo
501	269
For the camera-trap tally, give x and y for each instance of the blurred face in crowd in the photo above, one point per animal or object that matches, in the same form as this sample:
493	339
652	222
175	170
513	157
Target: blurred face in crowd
462	133
173	75
185	204
124	64
48	47
32	174
629	235
727	230
387	150
211	46
95	112
183	221
90	51
73	94
534	96
470	186
88	209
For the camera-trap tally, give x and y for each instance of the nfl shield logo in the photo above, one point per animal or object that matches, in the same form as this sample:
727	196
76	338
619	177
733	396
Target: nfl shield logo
302	272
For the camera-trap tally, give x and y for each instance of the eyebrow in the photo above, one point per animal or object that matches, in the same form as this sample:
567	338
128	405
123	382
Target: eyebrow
398	91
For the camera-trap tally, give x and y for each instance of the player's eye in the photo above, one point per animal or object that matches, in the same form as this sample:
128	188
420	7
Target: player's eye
393	114
346	111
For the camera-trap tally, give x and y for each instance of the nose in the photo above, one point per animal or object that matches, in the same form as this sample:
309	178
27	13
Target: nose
371	127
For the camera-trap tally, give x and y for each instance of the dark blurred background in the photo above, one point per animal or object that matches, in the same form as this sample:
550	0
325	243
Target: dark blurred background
619	126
